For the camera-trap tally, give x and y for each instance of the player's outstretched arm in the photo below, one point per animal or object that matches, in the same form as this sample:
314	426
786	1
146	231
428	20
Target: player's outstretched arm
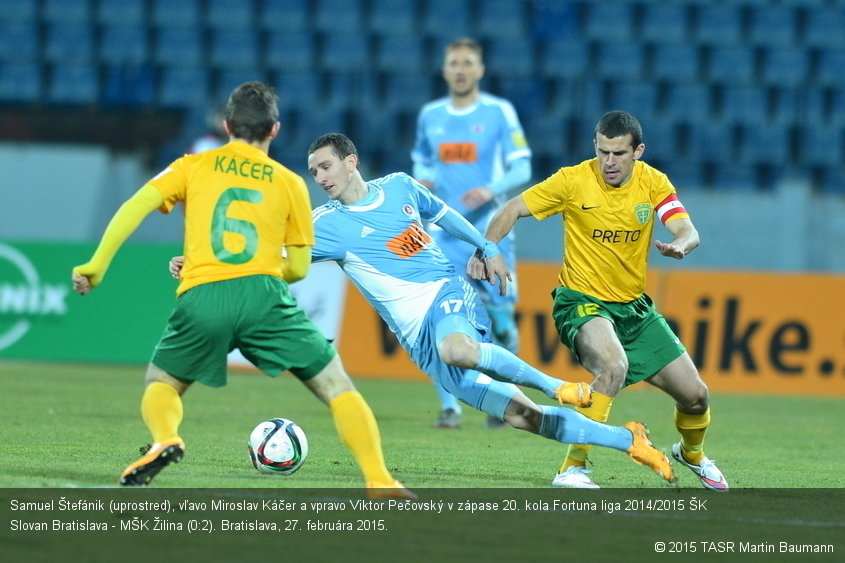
87	276
685	239
506	217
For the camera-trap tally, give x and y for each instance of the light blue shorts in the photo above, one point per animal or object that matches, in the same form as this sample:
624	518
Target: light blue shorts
456	309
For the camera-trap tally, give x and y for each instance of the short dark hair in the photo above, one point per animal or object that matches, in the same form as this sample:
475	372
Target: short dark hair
618	124
341	145
251	111
468	43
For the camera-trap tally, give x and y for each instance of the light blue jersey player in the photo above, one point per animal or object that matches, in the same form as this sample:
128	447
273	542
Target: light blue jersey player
471	150
373	230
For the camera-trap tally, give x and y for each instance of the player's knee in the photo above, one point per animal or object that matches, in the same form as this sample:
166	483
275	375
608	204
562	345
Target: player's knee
609	373
695	401
458	350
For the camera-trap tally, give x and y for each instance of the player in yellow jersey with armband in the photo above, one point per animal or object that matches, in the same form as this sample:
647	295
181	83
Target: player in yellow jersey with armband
609	205
242	211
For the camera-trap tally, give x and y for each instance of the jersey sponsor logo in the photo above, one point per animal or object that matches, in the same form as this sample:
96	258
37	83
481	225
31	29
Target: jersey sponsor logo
244	168
478	129
410	242
23	296
585	207
642	211
456	153
365	230
610	236
518	139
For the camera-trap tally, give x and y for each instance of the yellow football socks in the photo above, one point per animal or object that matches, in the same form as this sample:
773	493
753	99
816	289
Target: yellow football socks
692	428
359	431
161	408
598	411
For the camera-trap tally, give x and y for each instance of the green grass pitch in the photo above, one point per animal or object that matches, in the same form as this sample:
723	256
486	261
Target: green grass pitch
67	431
79	426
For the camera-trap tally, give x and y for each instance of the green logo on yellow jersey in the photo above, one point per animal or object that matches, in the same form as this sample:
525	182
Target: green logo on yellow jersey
643	212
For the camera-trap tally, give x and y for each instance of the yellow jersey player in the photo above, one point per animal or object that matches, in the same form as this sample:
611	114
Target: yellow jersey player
609	205
243	210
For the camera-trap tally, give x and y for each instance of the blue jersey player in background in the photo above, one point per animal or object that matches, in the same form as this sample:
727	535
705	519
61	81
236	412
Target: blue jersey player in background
471	150
373	230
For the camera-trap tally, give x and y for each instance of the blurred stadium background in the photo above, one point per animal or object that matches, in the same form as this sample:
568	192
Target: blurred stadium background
742	103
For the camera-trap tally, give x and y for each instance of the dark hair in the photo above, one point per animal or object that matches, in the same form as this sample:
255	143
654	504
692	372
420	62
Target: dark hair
618	124
252	110
468	43
341	145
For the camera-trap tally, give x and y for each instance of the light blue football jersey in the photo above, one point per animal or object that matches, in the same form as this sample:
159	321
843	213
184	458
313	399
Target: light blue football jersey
468	148
402	281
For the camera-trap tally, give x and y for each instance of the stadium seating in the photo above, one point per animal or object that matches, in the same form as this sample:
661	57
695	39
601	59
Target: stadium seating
515	55
408	92
743	104
19	42
284	15
394	17
772	26
823	28
445	20
528	95
123	13
128	85
18	11
618	60
609	21
565	58
819	146
710	79
178	47
233	48
553	19
20	82
718	24
228	79
728	64
185	87
401	53
502	19
345	52
74	84
73	12
184	13
298	89
785	66
290	51
675	62
69	44
230	14
764	143
664	22
829	69
687	102
123	44
339	17
638	98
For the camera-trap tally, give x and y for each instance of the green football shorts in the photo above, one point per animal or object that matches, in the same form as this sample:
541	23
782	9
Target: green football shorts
647	339
256	314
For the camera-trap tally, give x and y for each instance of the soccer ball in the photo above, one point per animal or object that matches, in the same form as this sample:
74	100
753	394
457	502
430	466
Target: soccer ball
278	446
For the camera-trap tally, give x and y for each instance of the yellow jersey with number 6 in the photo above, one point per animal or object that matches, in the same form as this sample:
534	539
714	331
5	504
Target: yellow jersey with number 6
607	230
241	208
